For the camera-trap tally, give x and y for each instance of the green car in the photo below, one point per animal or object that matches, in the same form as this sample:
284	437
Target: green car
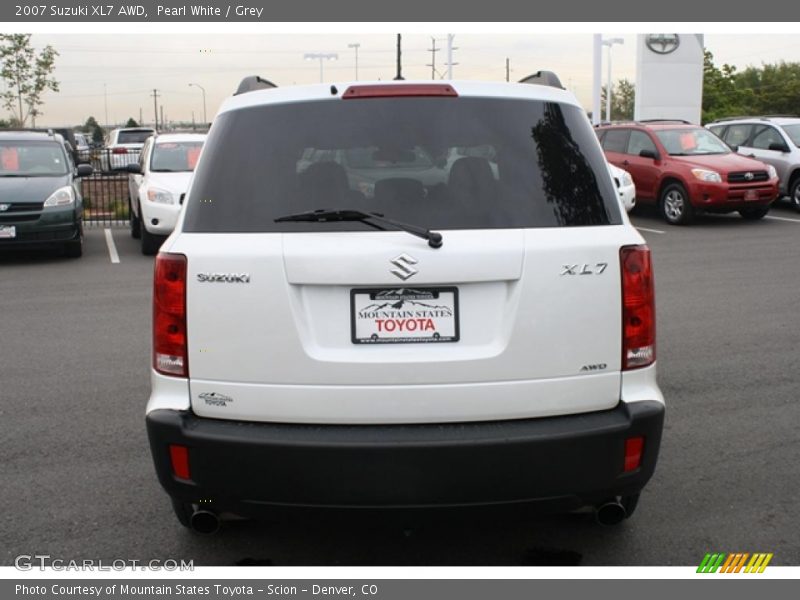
40	201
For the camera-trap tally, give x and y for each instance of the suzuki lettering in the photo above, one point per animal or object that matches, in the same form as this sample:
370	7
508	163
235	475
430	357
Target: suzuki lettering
224	277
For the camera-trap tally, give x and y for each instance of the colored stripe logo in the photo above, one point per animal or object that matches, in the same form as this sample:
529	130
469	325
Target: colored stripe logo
737	562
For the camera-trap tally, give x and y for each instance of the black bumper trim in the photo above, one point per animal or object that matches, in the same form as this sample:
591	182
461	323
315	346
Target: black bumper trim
245	467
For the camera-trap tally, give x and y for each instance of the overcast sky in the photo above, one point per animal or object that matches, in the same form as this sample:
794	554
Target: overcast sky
128	67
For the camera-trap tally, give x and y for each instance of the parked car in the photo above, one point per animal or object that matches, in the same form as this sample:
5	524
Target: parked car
40	199
366	166
157	184
122	147
66	133
625	186
685	169
472	341
82	148
773	140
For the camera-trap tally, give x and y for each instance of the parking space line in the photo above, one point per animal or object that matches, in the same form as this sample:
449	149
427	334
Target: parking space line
650	230
782	219
112	248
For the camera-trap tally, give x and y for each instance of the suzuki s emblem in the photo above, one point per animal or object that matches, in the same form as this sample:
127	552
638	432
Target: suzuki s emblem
749	176
404	269
4	207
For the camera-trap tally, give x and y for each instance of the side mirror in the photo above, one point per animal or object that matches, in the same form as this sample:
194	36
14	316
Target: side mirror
735	148
84	170
648	154
778	147
133	168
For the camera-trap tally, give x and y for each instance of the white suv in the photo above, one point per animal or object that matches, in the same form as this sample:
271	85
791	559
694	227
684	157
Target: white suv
485	338
157	184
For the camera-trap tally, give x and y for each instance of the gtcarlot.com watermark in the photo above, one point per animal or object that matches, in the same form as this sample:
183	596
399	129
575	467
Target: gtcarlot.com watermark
29	562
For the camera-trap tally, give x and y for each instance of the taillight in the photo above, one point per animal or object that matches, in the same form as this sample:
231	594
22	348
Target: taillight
399	90
170	354
119	151
638	308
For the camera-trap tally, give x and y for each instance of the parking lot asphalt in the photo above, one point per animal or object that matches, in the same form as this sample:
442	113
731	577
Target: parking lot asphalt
77	479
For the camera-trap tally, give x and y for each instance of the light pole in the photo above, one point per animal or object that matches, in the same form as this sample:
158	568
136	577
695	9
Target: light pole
321	56
355	47
610	42
202	89
450	48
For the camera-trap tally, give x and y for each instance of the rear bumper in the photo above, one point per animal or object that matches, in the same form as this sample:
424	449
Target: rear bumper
248	468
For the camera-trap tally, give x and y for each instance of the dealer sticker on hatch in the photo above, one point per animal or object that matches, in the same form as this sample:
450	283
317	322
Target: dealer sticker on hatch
404	315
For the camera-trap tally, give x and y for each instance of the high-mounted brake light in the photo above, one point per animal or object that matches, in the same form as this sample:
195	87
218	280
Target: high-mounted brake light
170	354
638	308
119	151
399	90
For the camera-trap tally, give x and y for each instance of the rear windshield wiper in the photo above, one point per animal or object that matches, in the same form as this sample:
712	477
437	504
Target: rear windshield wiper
325	215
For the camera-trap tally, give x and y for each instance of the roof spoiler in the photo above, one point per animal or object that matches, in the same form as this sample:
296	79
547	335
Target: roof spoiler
253	83
543	78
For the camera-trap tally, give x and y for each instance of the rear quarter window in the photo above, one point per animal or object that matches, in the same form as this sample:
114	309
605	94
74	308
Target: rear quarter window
446	163
616	140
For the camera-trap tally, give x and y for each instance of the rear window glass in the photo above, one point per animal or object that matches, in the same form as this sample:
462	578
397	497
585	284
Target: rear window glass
466	163
170	157
133	137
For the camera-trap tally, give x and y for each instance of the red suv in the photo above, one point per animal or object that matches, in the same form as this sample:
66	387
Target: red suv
686	169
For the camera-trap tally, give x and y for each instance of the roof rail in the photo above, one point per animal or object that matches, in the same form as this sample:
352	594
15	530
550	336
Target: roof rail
755	118
543	78
684	121
734	118
253	83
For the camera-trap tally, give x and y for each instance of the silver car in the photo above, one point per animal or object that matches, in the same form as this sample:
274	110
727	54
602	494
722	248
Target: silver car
774	140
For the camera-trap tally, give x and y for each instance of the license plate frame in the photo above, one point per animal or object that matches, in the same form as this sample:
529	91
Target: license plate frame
751	195
426	307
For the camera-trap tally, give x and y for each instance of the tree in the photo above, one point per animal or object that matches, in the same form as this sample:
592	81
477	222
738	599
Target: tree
623	96
27	75
769	89
131	123
92	127
721	97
